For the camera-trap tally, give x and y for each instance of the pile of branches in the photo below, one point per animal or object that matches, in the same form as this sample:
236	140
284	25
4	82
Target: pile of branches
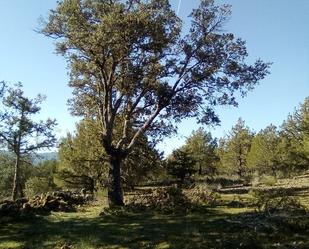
202	195
277	201
166	200
61	201
173	200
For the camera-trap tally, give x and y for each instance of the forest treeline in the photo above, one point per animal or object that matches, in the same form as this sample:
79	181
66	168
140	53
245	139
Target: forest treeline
242	155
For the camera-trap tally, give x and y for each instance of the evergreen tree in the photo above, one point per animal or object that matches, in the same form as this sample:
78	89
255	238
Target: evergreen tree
295	134
202	147
180	164
265	152
235	148
19	133
82	156
6	174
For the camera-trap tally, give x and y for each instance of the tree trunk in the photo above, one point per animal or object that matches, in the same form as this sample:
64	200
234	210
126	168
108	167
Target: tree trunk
17	188
115	193
274	172
200	169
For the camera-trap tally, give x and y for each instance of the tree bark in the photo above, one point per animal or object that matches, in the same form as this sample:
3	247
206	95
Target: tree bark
17	188
115	192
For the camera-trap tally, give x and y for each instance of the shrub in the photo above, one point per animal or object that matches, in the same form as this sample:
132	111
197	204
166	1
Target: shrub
37	185
268	180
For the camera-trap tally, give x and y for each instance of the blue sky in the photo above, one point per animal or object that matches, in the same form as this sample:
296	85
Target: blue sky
275	30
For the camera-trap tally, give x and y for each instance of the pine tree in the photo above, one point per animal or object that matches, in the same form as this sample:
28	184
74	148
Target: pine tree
19	133
202	147
235	148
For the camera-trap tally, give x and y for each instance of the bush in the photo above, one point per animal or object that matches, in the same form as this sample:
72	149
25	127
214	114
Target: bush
268	180
37	185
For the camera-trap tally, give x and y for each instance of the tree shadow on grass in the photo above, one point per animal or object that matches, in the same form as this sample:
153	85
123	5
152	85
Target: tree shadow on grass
208	229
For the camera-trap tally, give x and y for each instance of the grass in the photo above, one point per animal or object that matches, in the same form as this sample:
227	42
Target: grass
220	227
145	230
223	226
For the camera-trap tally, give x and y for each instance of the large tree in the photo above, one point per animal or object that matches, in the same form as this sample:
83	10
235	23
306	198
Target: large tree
131	61
20	134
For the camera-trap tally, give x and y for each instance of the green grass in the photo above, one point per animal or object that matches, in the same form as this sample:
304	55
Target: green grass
220	227
223	226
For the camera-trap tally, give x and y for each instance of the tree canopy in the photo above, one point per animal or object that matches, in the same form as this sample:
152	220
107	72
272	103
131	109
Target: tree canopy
130	61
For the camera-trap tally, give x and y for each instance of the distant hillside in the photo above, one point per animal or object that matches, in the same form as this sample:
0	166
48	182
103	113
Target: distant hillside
40	157
45	157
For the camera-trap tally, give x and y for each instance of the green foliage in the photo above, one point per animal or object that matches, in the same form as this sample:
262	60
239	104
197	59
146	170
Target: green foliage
6	174
131	66
7	164
20	134
84	162
140	44
180	164
45	169
295	134
41	178
234	148
264	155
268	180
143	164
202	148
36	185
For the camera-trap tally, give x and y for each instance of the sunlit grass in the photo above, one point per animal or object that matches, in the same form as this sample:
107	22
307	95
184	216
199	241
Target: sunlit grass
10	244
